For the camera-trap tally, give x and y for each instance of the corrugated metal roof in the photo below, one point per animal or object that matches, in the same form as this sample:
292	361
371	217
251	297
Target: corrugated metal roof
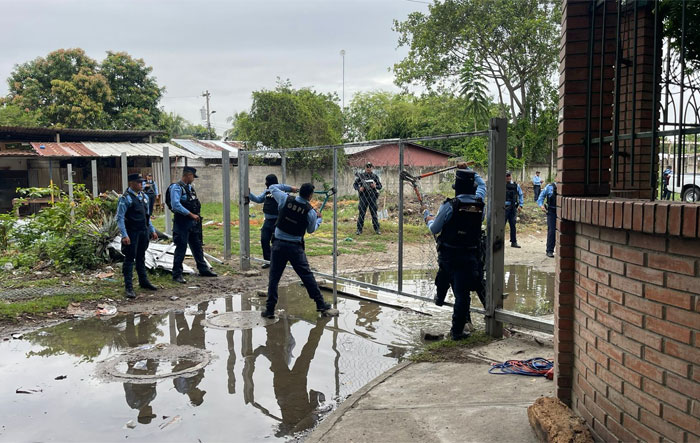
231	147
72	134
49	149
136	149
359	149
202	150
17	153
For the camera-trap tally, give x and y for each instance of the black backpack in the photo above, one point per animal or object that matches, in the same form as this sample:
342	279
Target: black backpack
167	196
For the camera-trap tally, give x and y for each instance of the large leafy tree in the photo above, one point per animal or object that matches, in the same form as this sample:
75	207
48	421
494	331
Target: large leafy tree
69	89
286	118
135	93
512	43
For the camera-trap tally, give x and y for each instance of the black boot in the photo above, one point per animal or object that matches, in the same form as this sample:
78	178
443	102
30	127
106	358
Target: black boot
268	314
128	271
208	273
179	279
129	293
145	284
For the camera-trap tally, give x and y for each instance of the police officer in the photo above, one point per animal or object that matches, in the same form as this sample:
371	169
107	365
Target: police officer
367	185
187	229
458	222
151	189
537	185
296	217
270	211
549	195
135	226
514	202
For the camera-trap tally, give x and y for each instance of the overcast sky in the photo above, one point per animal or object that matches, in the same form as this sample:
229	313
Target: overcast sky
230	47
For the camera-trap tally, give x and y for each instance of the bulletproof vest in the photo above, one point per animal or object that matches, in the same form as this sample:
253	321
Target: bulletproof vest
292	217
149	188
463	229
552	200
192	204
364	178
512	193
270	205
136	216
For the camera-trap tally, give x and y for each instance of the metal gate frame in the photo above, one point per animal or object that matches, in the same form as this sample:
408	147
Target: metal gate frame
494	313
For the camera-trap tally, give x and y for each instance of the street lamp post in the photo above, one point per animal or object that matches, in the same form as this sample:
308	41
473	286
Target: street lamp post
342	54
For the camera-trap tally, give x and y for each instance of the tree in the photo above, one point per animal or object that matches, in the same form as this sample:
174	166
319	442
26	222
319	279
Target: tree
381	114
70	89
176	126
135	93
13	115
473	88
287	118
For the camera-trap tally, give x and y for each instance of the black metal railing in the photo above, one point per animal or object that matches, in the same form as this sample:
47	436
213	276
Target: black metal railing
642	128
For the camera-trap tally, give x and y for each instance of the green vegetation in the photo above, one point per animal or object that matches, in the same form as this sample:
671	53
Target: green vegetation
450	350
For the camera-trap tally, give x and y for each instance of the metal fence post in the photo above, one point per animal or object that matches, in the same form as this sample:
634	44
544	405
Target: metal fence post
243	211
496	224
284	167
125	172
93	167
226	188
335	228
400	243
69	170
166	181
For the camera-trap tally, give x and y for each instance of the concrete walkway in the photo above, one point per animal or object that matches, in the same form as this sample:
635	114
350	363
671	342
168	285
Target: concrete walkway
443	402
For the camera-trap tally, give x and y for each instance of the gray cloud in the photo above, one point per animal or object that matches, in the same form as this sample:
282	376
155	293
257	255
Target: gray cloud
229	47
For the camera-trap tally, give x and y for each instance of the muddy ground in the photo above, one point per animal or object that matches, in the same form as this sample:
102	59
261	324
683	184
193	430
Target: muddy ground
232	280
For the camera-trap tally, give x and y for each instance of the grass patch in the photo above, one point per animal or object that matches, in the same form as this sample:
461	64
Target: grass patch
449	350
43	305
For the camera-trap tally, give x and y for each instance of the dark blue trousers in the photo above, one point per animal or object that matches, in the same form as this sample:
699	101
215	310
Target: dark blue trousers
537	189
459	268
284	252
551	230
511	213
135	253
187	233
266	233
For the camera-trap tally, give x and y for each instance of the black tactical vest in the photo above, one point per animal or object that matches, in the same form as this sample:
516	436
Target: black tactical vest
463	229
512	193
292	217
552	201
136	216
270	205
149	188
192	204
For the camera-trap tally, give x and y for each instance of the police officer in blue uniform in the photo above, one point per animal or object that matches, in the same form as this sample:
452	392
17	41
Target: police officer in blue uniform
151	189
135	226
537	185
514	202
549	195
296	218
187	227
458	222
270	211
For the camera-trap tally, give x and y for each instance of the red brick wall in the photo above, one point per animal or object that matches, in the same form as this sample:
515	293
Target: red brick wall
635	331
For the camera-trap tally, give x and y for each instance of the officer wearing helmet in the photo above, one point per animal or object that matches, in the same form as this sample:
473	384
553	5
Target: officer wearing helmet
458	223
270	211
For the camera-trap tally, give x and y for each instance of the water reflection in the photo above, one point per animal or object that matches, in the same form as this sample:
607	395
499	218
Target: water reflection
140	395
529	291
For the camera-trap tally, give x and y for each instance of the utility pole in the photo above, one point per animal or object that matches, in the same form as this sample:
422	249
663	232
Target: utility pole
206	95
342	54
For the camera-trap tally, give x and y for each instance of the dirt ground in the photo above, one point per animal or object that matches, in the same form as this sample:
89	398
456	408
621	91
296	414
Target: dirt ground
231	280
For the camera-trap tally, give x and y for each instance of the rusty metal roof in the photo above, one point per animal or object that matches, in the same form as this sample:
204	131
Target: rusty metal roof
49	149
71	134
199	149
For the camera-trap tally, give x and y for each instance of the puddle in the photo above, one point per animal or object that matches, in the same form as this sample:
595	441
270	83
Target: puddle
269	382
529	291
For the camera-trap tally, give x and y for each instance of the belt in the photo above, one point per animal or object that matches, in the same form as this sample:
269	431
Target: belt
290	242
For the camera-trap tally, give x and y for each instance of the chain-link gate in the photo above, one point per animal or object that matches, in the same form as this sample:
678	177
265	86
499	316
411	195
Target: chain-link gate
374	224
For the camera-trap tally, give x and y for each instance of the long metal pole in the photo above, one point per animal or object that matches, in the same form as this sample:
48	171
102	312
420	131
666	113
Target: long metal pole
69	168
226	188
125	172
243	211
93	168
400	243
335	228
51	180
496	225
284	167
166	182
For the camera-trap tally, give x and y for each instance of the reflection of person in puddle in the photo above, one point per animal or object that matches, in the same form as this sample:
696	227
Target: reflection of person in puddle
140	395
296	402
367	315
193	336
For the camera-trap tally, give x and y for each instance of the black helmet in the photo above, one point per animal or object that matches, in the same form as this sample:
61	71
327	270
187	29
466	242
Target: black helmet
465	182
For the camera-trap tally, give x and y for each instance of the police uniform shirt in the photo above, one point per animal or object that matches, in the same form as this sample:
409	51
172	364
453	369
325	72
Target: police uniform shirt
177	196
445	212
261	198
123	205
548	191
312	218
